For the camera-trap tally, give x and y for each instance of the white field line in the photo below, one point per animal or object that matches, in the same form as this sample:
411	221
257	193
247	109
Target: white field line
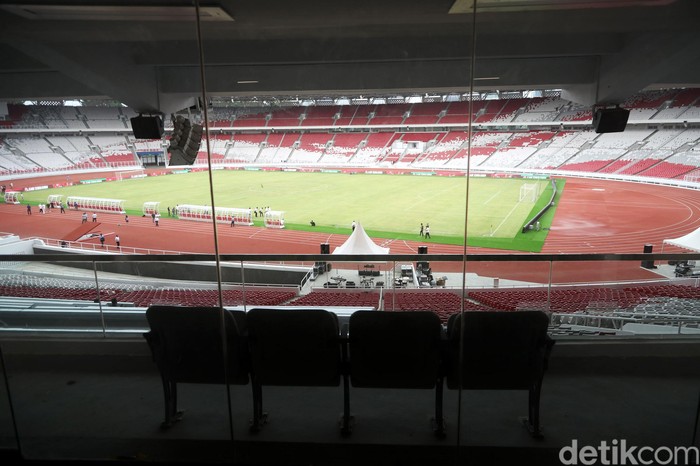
506	218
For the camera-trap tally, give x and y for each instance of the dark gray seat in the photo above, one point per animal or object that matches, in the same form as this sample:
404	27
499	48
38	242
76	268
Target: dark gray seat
397	350
292	347
500	351
188	347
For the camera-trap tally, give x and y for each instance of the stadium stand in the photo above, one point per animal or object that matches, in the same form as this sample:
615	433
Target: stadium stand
390	114
251	119
344	147
311	147
320	116
425	113
411	135
246	147
286	117
445	148
138	294
373	149
357	298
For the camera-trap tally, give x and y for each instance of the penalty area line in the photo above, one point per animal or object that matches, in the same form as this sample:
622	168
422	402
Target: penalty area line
506	218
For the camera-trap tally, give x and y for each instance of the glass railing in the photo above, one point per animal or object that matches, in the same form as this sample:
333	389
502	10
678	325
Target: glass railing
83	382
585	294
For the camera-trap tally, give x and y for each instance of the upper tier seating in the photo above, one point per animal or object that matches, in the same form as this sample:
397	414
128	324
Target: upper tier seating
250	119
320	116
286	117
637	151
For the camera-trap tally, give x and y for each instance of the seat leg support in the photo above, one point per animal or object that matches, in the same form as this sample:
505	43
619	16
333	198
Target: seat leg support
259	417
172	415
439	420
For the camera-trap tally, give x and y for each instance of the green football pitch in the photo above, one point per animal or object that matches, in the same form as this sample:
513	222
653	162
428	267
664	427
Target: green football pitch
388	206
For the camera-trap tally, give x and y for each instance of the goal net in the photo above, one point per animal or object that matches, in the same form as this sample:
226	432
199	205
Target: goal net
125	175
529	192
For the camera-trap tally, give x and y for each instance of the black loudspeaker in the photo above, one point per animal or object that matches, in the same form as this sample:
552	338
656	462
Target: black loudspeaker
194	141
147	127
424	266
648	248
181	131
325	248
184	142
610	120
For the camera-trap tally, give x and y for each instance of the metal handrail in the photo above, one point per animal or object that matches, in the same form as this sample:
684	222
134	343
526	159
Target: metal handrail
270	258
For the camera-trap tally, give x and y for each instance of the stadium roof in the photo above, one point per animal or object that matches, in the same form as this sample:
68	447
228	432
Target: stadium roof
145	53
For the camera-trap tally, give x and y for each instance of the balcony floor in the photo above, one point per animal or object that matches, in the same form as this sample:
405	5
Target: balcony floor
108	407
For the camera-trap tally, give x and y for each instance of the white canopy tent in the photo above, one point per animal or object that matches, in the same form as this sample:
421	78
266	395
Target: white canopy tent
690	241
360	243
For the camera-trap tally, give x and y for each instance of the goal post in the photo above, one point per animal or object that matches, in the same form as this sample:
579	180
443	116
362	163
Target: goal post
128	174
529	192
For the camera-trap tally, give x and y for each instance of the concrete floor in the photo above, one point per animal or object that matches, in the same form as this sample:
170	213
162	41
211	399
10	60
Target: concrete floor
107	406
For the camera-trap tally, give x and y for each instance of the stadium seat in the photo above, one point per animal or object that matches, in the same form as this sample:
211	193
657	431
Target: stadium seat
397	350
296	347
187	347
500	351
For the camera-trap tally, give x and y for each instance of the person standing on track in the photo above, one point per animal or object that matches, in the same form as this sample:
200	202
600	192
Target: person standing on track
84	217
94	217
117	240
156	218
63	209
29	209
102	240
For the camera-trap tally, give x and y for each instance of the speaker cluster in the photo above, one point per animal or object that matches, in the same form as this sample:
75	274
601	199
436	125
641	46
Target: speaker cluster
185	141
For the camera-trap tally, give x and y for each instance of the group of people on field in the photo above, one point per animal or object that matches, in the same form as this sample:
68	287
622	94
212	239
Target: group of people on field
424	231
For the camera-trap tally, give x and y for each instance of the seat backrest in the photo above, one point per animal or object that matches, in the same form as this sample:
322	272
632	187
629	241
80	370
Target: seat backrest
296	347
500	350
394	349
187	346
